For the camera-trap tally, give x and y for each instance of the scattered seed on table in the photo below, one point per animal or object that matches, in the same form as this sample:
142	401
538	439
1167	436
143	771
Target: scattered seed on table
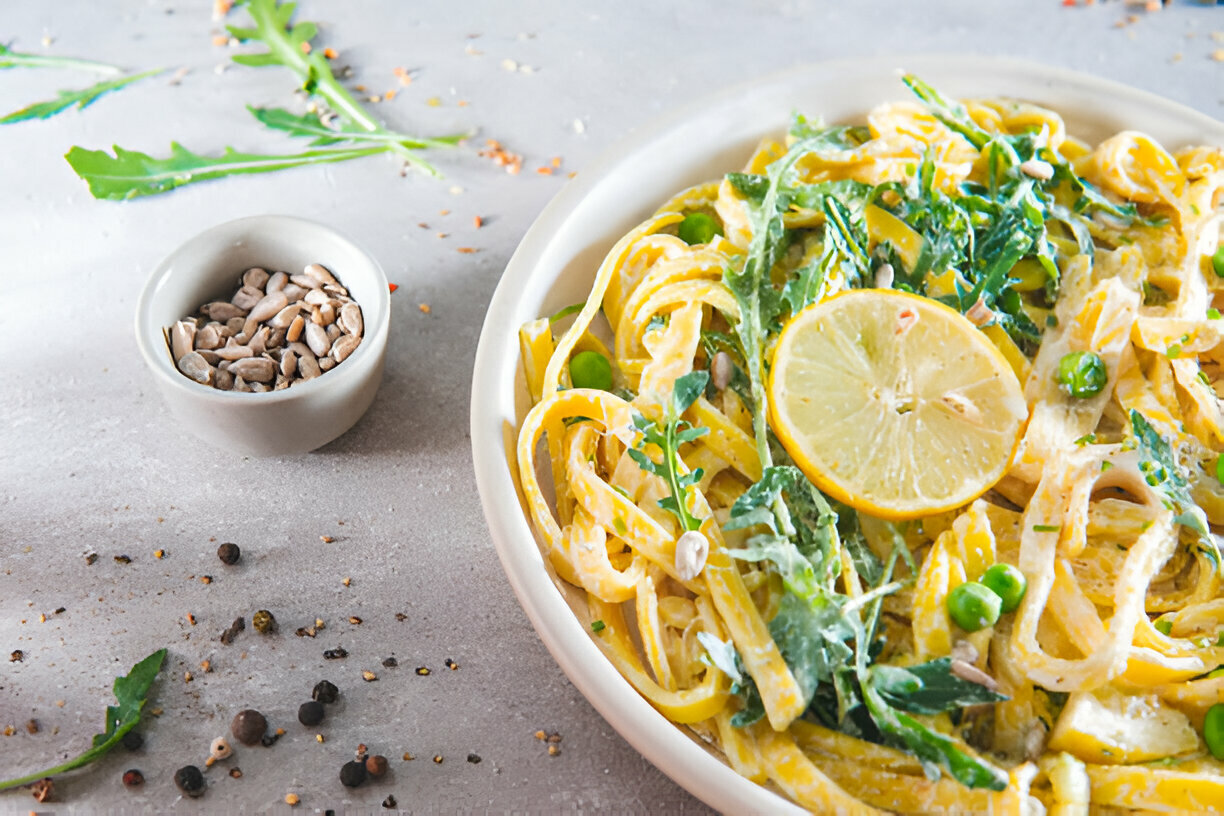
220	749
123	559
389	803
376	765
270	739
227	637
401	617
191	619
235	773
541	735
42	789
132	778
390	662
205	579
229	553
474	759
32	727
319	738
554	737
189	780
132	740
90	559
347	581
206	665
188	677
553	750
263	621
452	665
408	757
248	726
326	539
352	774
16	656
311	713
422	670
159	553
325	692
292	799
437	759
356	621
369	676
335	654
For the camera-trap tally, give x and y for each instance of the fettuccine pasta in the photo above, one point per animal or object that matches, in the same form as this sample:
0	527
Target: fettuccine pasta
814	643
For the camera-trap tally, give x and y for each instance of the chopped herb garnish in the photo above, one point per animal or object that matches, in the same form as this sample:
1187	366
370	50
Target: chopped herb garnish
668	436
597	626
1046	528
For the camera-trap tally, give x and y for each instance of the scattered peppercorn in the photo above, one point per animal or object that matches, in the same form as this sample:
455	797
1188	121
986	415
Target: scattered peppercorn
189	780
325	692
263	621
474	759
229	553
352	774
390	663
310	713
133	740
376	765
133	778
227	637
123	559
335	654
42	789
389	803
248	726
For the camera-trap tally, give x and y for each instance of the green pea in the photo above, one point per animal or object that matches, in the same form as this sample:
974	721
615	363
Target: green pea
1217	261
1164	626
590	369
1082	374
973	606
1008	583
698	228
1213	730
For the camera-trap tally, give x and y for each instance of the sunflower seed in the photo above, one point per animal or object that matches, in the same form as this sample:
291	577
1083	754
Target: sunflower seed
196	367
294	292
257	369
222	311
317	339
344	346
276	282
308	367
235	352
247	297
182	338
294	332
285	316
320	273
306	281
255	277
268	306
326	363
350	319
208	337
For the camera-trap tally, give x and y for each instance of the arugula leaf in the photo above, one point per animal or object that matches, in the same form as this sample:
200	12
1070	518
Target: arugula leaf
129	174
309	125
846	137
930	688
131	693
948	111
15	59
81	97
1162	471
668	437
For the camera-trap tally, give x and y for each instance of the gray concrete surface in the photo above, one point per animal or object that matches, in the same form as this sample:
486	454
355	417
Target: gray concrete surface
90	462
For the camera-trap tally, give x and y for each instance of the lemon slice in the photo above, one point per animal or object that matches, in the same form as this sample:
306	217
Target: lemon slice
893	403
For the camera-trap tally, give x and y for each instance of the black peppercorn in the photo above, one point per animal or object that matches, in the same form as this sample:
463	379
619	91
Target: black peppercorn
248	726
352	774
132	740
325	692
310	713
133	778
229	553
376	765
189	780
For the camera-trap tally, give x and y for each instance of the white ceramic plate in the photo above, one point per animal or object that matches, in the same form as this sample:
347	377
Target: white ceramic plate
556	262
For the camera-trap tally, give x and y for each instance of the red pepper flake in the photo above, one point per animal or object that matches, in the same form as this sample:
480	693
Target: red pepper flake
443	212
462	103
389	95
556	161
191	619
159	553
544	171
360	88
478	221
501	157
326	539
422	225
392	286
220	39
425	309
403	76
347	581
305	47
205	579
330	53
467	250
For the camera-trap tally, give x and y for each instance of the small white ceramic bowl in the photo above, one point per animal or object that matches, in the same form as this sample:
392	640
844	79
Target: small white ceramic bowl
297	419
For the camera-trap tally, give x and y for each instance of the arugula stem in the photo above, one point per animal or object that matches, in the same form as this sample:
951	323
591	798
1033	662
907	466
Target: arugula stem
16	59
681	495
76	762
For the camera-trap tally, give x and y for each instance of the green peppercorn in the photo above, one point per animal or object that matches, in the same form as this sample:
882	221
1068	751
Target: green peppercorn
229	553
590	369
353	774
189	780
698	228
1082	374
325	692
263	621
248	726
1213	730
310	713
973	606
1008	583
1217	261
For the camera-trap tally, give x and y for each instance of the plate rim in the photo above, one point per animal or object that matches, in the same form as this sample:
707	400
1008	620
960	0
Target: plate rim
661	742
